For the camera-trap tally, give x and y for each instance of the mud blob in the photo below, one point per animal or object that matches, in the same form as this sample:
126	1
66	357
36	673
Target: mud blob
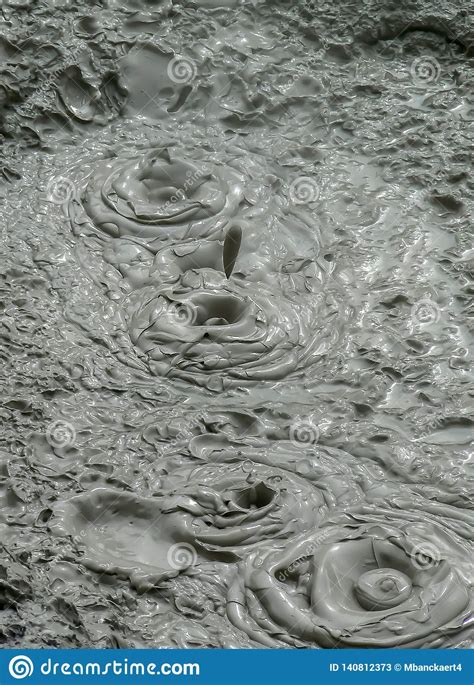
172	262
221	332
230	509
120	533
388	583
382	588
205	513
160	195
256	260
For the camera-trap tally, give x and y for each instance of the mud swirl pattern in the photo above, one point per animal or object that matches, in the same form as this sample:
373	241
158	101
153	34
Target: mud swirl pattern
224	333
160	195
235	275
356	584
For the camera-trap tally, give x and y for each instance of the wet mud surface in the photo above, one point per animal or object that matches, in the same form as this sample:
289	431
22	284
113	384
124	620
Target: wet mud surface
236	354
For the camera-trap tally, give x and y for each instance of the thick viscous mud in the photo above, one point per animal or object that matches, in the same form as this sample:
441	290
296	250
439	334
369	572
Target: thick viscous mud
236	286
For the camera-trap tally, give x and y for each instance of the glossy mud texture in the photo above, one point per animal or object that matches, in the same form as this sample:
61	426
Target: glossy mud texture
236	361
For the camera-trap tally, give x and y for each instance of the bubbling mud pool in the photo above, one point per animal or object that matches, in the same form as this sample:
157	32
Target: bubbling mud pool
236	280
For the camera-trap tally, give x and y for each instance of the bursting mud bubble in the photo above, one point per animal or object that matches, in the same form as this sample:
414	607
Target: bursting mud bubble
236	362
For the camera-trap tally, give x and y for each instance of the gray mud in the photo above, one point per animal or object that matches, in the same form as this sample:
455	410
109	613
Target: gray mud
236	285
